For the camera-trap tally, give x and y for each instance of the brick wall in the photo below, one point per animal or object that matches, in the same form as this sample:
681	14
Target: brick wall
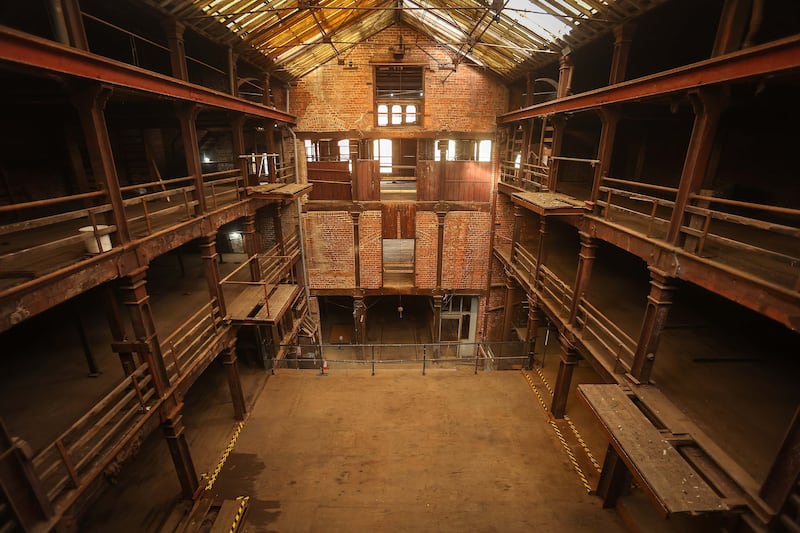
503	221
495	302
370	249
329	249
336	98
425	250
466	250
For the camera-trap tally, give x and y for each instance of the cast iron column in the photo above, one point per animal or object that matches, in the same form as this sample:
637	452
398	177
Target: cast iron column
177	53
569	360
623	37
278	223
208	252
655	317
251	247
229	361
586	258
532	332
605	149
187	115
356	215
516	231
440	217
559	126
359	320
90	102
172	426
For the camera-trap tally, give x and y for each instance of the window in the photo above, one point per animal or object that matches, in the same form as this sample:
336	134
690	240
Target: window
484	150
450	145
398	94
382	151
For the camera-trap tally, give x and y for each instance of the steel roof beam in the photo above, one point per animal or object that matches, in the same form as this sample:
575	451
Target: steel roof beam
772	58
24	49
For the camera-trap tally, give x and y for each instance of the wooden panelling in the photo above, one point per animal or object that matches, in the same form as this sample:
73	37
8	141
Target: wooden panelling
367	184
467	181
428	180
331	180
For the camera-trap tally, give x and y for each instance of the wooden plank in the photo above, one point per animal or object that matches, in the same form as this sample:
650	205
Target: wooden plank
408	220
654	462
230	516
389	220
241	306
279	301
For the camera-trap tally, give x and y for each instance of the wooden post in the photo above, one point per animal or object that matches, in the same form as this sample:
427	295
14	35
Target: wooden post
356	215
177	54
187	116
91	102
566	367
172	426
229	361
586	258
516	231
208	252
251	247
117	327
532	332
605	149
708	108
614	478
233	72
266	97
655	317
359	320
732	27
623	37
237	139
277	222
559	126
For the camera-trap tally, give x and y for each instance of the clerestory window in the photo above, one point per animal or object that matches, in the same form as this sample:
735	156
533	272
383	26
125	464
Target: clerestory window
399	94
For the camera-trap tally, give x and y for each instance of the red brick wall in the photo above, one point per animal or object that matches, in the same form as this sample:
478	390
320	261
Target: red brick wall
503	221
370	250
495	302
335	98
329	249
466	250
425	250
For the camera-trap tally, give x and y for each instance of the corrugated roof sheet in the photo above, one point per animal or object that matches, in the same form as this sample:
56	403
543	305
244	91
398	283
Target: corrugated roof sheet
293	37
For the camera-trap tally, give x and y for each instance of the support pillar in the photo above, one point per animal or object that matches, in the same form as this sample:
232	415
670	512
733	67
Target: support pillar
516	230
440	217
586	258
173	429
708	108
91	102
208	252
565	68
80	325
229	361
187	116
277	222
251	247
559	126
359	320
177	53
623	37
237	138
136	299
437	318
530	86
655	317
566	367
356	215
605	149
541	252
28	503
512	293
118	333
532	332
733	23
785	472
266	97
614	478
233	72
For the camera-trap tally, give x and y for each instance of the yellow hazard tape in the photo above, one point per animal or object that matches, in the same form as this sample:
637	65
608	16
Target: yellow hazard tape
583	444
239	513
560	435
544	380
224	457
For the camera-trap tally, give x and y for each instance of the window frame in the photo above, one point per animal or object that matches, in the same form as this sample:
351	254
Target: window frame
398	110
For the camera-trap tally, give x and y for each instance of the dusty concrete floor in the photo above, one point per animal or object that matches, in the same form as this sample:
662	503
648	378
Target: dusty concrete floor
399	451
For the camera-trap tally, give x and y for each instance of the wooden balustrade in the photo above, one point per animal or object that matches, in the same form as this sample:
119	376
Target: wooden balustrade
190	341
617	344
552	288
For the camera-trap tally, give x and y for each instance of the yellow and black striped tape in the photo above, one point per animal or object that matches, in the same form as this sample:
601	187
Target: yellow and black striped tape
225	455
239	513
560	435
583	444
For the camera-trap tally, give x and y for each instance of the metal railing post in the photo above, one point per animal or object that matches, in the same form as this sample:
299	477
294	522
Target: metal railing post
373	359
424	358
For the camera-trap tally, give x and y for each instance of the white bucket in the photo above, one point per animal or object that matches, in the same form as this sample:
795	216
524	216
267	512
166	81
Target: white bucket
91	242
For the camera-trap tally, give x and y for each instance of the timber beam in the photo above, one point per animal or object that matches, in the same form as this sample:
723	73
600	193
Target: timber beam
768	59
48	56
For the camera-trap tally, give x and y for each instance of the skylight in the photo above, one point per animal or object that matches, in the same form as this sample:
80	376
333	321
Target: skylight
533	18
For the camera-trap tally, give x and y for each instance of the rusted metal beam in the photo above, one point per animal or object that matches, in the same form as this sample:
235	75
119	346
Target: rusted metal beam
25	49
775	57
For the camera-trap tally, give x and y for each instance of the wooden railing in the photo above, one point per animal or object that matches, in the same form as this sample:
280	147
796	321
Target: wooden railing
594	325
191	340
223	188
653	211
777	243
79	455
525	262
526	176
273	269
59	231
149	212
552	288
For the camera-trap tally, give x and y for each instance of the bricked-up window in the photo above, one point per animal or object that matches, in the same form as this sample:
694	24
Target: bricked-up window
398	94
